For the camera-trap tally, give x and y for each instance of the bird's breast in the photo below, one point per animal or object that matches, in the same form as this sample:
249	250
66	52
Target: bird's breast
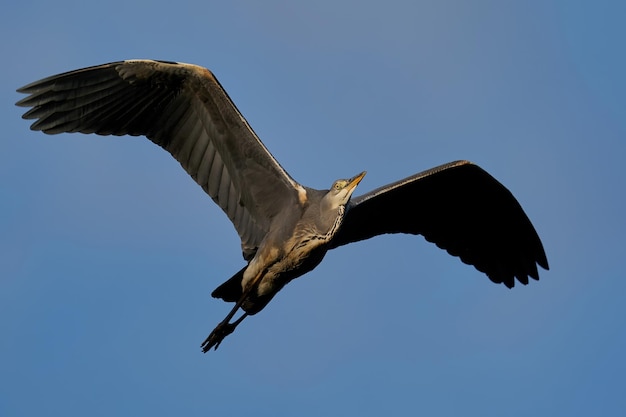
301	253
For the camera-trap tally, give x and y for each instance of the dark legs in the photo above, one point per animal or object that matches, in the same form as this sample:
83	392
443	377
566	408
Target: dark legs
224	328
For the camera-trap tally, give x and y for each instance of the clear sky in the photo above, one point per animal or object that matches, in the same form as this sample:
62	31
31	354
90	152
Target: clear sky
109	252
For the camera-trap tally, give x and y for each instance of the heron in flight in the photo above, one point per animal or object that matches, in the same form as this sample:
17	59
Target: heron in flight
285	228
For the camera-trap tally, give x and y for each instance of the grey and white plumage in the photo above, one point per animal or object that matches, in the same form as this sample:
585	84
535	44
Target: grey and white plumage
285	228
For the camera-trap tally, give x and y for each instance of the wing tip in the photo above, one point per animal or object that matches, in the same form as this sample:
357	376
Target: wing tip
522	274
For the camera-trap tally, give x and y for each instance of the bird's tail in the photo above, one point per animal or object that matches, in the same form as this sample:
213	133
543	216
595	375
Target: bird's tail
231	290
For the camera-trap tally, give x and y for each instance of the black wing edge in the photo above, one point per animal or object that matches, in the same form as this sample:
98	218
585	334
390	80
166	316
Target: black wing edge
463	210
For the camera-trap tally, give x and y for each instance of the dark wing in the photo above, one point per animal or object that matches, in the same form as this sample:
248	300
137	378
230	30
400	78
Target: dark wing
184	109
460	208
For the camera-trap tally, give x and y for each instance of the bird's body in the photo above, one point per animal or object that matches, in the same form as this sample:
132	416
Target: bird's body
285	227
293	248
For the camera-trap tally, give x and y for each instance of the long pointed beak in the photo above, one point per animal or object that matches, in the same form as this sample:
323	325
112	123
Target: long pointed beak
354	181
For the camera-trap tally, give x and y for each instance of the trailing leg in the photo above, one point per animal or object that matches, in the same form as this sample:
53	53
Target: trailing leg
224	328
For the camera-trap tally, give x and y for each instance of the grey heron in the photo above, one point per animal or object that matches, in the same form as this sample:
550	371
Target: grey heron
285	228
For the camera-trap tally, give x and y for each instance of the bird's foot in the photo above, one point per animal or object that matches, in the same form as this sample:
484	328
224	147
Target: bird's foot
219	333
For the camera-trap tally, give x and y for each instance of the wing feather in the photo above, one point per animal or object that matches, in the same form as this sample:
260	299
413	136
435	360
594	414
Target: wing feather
462	209
183	109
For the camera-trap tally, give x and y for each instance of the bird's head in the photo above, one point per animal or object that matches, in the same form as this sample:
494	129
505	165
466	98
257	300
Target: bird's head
341	191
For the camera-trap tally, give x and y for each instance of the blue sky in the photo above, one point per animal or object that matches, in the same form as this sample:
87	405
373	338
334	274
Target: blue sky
109	252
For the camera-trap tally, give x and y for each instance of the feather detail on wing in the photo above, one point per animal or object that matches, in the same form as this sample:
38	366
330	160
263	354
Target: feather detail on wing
462	209
183	109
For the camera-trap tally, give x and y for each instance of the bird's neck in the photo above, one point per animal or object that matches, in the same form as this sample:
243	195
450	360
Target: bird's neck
332	229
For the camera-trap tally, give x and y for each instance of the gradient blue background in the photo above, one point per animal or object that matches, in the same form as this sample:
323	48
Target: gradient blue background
108	251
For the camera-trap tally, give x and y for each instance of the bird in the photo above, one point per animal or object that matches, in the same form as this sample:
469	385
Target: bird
285	228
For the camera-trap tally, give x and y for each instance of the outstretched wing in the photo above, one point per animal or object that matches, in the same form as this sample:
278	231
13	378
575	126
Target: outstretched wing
462	209
184	109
